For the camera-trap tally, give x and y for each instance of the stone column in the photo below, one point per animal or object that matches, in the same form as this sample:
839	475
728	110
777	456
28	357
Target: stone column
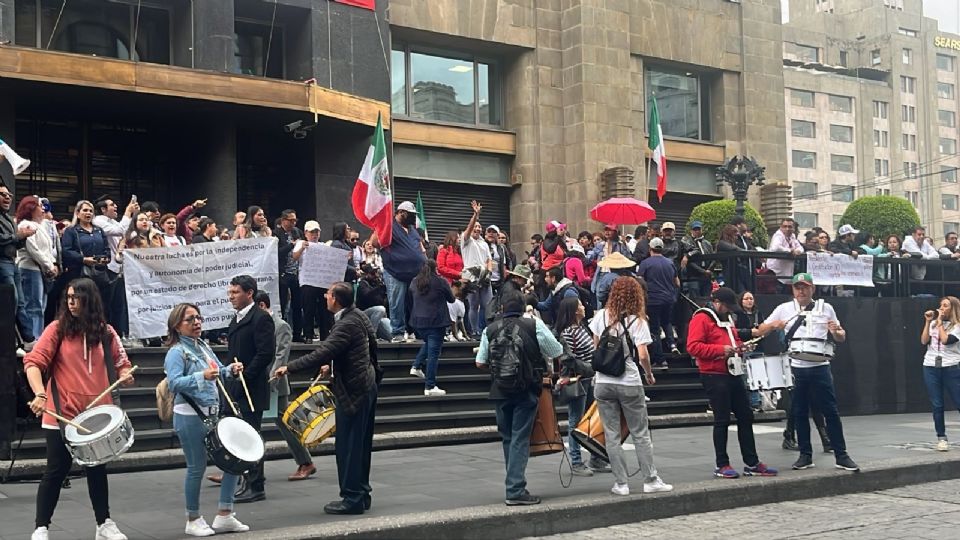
213	34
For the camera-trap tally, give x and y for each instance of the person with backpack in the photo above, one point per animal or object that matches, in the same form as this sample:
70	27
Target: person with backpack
513	349
560	288
621	336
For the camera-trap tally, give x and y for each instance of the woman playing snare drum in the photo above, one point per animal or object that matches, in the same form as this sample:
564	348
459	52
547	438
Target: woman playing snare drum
70	352
192	369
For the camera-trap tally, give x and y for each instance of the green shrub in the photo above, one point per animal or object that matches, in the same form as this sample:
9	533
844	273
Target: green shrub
881	215
716	214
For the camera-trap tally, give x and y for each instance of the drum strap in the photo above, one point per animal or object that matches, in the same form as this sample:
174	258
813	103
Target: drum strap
56	406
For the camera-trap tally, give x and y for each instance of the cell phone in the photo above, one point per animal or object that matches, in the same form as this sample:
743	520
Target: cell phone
133	198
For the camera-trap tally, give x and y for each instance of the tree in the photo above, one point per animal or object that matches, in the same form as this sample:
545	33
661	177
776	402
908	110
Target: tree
881	216
716	214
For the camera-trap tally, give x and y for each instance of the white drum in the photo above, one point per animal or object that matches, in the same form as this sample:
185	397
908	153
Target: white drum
811	349
769	372
234	446
111	434
735	365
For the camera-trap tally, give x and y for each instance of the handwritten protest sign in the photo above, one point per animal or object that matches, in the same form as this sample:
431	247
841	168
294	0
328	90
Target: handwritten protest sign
157	279
322	265
839	269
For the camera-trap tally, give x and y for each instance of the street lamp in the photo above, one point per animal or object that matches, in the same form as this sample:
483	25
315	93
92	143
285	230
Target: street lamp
740	173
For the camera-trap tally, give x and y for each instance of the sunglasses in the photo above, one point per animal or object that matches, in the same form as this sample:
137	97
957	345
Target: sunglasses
193	318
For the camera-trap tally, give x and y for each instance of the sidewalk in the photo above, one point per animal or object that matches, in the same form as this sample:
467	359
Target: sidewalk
458	490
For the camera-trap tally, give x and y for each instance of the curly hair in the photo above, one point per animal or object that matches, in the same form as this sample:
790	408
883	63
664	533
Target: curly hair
626	298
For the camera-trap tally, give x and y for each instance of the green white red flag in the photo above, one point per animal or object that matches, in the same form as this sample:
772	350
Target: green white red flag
655	144
372	199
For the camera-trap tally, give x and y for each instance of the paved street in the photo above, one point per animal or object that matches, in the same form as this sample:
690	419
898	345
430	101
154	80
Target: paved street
923	511
461	477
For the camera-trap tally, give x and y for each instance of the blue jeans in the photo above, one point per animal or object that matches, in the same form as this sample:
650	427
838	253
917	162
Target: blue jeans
814	386
379	321
515	416
10	274
34	300
938	380
660	317
429	354
478	300
397	299
575	410
191	431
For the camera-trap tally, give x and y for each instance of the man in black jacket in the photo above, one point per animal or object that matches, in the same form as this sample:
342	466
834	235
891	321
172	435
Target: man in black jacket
252	342
351	348
287	235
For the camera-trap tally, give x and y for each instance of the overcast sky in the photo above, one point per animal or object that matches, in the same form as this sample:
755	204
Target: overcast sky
947	12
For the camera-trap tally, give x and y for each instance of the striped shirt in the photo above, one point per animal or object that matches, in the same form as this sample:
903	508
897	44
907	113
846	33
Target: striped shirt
580	342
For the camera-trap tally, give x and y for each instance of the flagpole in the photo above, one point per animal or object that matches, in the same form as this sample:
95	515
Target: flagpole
646	161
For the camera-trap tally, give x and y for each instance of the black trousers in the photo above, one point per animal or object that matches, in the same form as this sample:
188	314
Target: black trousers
728	394
354	445
787	405
290	298
315	312
116	306
254	478
59	462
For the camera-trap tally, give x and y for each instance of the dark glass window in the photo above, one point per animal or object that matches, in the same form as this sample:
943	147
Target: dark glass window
256	51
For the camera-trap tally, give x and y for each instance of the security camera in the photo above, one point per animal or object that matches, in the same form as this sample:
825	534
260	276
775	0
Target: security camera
293	126
300	134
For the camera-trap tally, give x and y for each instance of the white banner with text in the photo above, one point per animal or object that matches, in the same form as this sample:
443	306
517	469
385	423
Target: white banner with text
322	265
839	269
157	279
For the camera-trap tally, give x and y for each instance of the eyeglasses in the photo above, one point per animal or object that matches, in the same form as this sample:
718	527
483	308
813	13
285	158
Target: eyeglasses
193	318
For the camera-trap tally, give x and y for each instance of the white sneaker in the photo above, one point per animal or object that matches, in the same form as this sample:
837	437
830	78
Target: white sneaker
620	489
943	445
40	534
27	347
435	391
461	337
229	524
408	337
109	531
656	486
449	338
417	372
199	527
20	352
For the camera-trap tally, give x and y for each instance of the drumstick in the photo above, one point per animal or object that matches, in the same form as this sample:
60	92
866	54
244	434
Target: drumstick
245	389
112	386
68	422
226	395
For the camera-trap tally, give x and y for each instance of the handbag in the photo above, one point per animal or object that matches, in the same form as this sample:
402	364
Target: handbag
96	273
569	392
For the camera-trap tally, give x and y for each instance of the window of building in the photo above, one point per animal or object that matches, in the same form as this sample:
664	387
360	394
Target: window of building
947	118
806	220
841	103
801	98
894	4
948	146
875	57
949	202
836	221
803	128
682	100
907	55
950	227
843	58
908	141
908	85
945	62
881	167
803	53
948	174
841	193
804	160
841	133
907	32
883	191
445	87
841	163
257	49
944	90
910	169
913	197
804	190
881	138
881	109
908	114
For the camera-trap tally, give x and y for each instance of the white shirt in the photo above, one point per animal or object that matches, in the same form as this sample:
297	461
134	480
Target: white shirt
173	241
456	309
474	252
814	326
926	251
243	312
114	231
780	243
949	354
639	332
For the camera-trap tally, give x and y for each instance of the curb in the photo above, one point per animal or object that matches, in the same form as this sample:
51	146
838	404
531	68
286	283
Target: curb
28	469
603	510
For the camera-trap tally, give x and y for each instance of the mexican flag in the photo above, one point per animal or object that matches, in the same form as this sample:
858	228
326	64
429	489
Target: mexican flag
372	201
422	218
655	144
365	4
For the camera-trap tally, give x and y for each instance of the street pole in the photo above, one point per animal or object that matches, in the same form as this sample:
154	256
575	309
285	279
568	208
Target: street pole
740	173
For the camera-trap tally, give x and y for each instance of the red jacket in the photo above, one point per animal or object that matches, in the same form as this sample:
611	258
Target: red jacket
449	263
705	342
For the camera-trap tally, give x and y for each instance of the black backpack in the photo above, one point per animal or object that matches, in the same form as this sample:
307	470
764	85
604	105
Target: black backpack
511	368
586	298
612	352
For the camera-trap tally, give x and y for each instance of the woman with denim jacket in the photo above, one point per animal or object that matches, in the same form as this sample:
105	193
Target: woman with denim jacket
192	369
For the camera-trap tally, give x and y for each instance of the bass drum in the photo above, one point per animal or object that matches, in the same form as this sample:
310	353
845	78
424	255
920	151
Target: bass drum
589	432
234	446
545	436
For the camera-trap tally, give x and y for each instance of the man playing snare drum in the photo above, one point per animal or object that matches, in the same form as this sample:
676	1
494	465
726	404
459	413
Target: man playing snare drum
811	325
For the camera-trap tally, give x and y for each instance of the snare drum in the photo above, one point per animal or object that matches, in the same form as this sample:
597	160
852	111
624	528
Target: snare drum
811	349
769	372
589	432
311	416
234	446
111	434
735	365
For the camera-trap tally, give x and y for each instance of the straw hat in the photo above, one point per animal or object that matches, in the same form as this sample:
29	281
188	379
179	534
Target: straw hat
616	261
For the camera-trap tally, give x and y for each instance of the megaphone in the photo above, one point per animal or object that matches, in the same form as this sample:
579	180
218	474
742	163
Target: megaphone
18	163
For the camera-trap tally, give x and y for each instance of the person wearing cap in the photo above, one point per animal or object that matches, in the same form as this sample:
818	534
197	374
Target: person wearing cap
477	264
313	303
844	242
804	319
611	244
663	282
520	279
554	247
402	260
784	241
696	245
711	340
499	257
672	247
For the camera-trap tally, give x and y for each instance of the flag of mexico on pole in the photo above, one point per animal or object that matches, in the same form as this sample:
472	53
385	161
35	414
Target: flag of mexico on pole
372	200
655	144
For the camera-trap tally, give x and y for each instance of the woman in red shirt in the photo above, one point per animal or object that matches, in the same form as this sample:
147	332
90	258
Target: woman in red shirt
449	261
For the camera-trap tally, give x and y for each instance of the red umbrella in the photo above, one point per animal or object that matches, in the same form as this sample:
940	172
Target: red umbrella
623	211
